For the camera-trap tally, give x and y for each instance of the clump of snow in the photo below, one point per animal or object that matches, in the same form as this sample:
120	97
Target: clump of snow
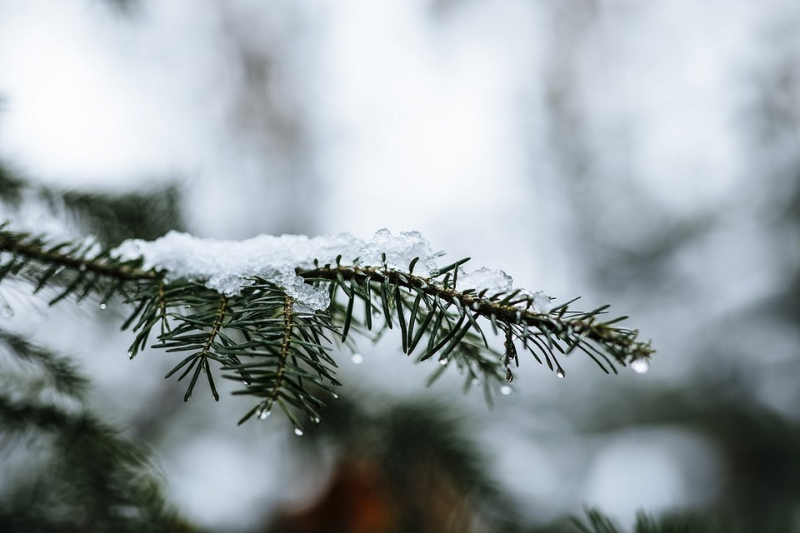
228	266
484	279
225	266
497	282
540	302
400	251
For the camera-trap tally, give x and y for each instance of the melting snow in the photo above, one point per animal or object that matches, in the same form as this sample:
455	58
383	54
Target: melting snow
225	266
400	251
228	266
496	282
484	279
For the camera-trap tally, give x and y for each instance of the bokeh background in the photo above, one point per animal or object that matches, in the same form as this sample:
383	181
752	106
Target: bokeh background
642	154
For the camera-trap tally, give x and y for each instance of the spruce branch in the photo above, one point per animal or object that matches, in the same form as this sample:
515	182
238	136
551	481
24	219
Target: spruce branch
61	373
572	328
280	350
199	361
37	248
94	478
85	475
111	218
286	342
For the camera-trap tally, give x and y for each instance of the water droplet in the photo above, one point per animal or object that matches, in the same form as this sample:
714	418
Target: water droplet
8	312
640	366
246	382
82	267
443	361
298	432
130	353
316	419
561	373
103	306
476	381
476	306
335	396
505	390
357	358
264	414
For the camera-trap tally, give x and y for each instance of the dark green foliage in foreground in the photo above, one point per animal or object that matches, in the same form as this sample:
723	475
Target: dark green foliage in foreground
81	474
282	354
89	478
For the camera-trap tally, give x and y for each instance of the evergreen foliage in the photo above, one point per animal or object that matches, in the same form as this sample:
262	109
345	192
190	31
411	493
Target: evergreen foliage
88	477
283	355
95	479
596	522
109	217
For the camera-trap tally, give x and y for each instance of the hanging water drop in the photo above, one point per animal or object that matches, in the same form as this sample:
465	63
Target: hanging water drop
505	390
103	306
264	414
357	358
561	372
335	396
316	419
640	366
443	361
298	432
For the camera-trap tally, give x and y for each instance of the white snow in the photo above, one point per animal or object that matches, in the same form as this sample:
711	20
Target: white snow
228	266
541	302
484	279
496	282
400	251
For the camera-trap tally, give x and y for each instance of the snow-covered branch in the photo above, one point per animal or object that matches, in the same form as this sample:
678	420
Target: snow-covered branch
269	310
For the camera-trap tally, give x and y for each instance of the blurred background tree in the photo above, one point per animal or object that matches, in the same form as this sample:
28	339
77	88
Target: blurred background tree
640	154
